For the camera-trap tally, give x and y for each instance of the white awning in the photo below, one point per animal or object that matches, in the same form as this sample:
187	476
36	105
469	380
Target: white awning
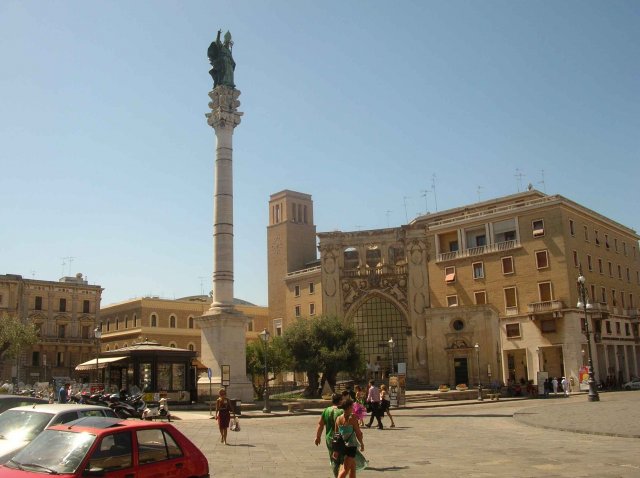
102	363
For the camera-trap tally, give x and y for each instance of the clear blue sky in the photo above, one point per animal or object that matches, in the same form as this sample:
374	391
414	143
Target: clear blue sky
105	154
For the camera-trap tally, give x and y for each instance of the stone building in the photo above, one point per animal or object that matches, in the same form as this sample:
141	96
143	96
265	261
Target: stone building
170	323
65	313
500	274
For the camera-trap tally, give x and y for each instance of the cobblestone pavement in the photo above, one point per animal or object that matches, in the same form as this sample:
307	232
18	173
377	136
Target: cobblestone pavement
473	440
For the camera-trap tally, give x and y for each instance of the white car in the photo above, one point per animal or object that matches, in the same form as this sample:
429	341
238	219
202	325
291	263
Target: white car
20	425
634	384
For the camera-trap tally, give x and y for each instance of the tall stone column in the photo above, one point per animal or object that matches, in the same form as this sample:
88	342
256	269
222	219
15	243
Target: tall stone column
222	326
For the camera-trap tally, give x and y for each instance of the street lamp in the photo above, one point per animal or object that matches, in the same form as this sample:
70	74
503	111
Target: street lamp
391	345
584	304
477	347
97	333
264	335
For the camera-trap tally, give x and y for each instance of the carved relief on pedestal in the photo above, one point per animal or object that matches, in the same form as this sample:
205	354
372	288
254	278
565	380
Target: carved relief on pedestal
224	107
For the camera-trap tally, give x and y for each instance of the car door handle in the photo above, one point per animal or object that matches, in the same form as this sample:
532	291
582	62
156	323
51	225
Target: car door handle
130	475
179	465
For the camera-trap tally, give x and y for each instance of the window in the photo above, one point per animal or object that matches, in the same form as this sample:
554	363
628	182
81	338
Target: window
507	265
113	453
628	275
600	269
86	306
296	291
192	347
622	299
614	302
126	321
571	228
277	326
63	305
117	324
618	328
538	228
548	326
586	234
457	325
576	262
108	325
312	287
172	322
478	270
450	274
191	322
60	359
312	309
250	326
453	246
624	248
603	295
610	269
480	297
35	359
510	299
297	311
513	330
155	445
61	330
544	292
619	271
171	344
135	320
631	300
589	263
452	301
606	241
542	259
627	329
597	238
154	320
85	331
608	326
615	244
38	305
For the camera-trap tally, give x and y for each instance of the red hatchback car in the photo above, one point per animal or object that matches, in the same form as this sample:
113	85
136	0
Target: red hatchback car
110	448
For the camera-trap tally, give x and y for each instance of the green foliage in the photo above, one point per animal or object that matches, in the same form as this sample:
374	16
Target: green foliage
324	345
278	360
15	334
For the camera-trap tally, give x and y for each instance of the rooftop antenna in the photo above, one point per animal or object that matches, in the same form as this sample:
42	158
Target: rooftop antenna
202	278
426	200
387	213
519	175
544	186
479	191
33	274
406	215
433	188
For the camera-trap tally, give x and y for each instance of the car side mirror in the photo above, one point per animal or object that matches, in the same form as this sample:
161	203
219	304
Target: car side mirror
93	472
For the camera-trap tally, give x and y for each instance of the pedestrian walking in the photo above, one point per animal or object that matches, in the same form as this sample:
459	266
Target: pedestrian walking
327	422
361	398
565	386
373	402
63	393
223	414
554	383
347	425
385	404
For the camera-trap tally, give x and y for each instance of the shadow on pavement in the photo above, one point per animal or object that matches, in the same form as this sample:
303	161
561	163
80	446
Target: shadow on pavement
242	444
387	468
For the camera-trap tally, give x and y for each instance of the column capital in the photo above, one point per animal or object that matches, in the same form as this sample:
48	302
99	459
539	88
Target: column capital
224	108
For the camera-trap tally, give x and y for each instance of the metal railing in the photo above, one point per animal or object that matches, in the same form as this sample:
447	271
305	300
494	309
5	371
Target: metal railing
476	251
544	306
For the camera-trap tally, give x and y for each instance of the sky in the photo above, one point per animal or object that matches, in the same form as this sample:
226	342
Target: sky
106	157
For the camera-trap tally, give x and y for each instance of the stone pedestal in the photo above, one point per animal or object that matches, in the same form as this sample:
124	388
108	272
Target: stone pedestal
223	328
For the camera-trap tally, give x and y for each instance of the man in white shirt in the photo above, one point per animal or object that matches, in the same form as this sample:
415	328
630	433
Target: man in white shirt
373	400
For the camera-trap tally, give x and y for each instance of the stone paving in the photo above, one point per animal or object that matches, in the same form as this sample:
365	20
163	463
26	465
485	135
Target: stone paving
469	440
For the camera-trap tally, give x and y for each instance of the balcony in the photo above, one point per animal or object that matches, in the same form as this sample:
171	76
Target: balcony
480	250
376	271
544	307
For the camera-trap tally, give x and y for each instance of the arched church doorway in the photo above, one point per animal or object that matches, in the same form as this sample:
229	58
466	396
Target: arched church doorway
376	321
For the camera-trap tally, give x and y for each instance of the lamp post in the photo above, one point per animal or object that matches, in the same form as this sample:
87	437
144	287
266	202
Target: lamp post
264	335
584	304
391	345
477	347
97	332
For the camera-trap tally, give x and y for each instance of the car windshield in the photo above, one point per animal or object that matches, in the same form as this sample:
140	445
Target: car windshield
22	425
53	452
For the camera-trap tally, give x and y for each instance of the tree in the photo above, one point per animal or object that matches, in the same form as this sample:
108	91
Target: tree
278	360
15	334
326	345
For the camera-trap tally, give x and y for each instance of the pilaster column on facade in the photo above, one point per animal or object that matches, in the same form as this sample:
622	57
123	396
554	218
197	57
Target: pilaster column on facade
490	236
517	229
462	239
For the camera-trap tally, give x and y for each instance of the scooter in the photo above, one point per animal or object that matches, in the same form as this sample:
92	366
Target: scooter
131	407
161	411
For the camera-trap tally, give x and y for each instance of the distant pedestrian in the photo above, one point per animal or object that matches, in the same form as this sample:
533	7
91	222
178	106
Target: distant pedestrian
327	422
361	398
373	402
554	383
385	404
565	386
223	414
547	387
63	393
376	370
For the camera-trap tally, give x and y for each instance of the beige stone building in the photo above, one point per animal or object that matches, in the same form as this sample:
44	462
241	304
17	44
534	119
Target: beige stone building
171	323
500	274
65	314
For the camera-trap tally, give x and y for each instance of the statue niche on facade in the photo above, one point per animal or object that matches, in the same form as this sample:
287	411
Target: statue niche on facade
221	60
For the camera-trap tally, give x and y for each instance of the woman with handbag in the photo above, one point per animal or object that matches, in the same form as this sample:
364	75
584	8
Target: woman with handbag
350	435
223	414
327	422
385	404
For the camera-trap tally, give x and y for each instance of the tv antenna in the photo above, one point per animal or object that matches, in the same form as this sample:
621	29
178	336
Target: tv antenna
479	191
544	185
406	215
202	278
425	192
387	213
67	260
433	188
519	175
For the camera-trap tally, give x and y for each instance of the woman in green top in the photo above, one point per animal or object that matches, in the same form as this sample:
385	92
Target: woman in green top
347	425
327	422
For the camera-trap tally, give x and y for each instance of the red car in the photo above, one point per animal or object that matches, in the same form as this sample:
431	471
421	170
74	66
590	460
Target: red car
111	448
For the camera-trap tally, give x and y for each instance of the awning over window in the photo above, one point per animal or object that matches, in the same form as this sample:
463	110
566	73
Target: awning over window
199	365
450	277
102	363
